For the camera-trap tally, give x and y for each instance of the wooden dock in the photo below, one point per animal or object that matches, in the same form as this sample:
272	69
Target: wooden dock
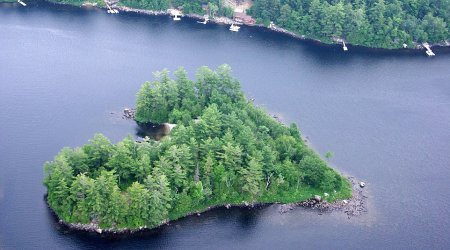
110	9
176	14
344	47
428	48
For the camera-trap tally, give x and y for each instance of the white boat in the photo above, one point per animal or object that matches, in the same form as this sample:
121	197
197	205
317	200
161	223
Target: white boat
19	1
234	28
176	18
430	53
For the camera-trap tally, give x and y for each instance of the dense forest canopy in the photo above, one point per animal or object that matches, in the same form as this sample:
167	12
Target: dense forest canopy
223	150
372	23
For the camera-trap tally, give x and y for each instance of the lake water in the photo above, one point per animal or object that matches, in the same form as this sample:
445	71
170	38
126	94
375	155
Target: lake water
385	115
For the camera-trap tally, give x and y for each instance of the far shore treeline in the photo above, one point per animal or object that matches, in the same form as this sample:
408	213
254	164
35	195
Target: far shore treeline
224	150
370	23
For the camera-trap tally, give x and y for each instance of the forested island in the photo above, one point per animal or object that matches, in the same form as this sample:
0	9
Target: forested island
224	150
370	23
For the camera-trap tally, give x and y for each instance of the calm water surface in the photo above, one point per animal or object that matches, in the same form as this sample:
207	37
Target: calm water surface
386	116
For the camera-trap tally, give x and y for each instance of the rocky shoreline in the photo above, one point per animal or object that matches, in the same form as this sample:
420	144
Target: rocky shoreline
355	206
216	20
93	227
417	46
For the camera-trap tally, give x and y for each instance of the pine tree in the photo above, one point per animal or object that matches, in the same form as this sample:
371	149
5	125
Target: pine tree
138	205
98	151
122	163
252	177
231	157
80	196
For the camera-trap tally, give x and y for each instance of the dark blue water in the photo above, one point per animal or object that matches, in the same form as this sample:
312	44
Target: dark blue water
385	115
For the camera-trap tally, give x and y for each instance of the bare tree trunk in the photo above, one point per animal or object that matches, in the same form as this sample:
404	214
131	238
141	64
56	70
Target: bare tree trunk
268	181
197	174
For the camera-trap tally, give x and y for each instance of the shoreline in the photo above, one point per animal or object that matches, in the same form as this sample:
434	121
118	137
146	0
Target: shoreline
274	28
352	207
443	47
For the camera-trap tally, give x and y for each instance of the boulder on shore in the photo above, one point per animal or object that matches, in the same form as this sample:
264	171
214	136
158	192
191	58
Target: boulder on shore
317	198
128	113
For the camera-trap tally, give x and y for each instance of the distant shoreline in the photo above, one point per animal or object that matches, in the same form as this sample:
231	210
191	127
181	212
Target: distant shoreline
228	21
441	47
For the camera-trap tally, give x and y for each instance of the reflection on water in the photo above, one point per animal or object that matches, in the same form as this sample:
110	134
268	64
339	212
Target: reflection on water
153	131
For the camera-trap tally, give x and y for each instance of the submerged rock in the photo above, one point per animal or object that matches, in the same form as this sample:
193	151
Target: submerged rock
286	208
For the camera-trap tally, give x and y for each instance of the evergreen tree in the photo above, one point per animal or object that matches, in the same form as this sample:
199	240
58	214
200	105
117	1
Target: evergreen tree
98	152
252	177
138	205
80	196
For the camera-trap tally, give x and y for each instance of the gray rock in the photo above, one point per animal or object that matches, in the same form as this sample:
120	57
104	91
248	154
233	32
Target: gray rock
317	198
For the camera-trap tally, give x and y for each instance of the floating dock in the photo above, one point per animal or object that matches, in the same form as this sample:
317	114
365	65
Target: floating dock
344	47
428	48
23	4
